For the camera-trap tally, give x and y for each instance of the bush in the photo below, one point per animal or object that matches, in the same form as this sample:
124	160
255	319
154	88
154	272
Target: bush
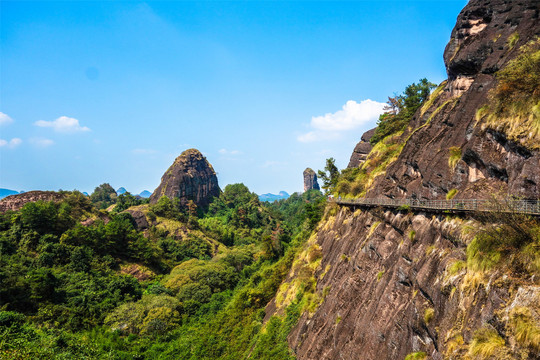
486	342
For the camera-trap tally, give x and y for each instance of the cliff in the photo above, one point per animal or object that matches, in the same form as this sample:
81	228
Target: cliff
190	177
449	145
16	202
361	150
428	285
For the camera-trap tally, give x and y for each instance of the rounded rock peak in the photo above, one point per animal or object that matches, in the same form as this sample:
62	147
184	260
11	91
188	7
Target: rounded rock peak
190	177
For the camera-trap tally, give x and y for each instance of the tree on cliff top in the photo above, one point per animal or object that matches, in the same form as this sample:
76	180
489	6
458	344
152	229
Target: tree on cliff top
401	108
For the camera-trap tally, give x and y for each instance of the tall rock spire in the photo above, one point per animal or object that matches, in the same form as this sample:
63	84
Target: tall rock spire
310	180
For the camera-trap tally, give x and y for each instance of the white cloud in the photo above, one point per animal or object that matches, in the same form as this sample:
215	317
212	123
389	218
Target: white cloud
229	152
11	144
5	119
351	116
41	142
63	124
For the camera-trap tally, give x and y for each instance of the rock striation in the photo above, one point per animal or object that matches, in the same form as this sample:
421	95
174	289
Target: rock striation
310	180
385	276
487	35
190	177
16	202
361	150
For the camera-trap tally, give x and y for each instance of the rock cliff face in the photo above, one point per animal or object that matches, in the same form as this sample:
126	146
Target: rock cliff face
310	180
190	177
388	279
361	150
487	35
16	202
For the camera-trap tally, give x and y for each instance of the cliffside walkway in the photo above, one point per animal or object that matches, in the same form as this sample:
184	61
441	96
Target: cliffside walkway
531	207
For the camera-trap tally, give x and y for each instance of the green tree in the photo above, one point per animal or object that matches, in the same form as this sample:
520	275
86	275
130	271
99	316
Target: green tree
400	109
104	195
330	175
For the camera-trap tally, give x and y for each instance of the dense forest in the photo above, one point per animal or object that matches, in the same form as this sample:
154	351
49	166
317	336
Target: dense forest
79	281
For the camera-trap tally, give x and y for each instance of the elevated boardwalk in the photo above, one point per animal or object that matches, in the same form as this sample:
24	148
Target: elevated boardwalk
530	207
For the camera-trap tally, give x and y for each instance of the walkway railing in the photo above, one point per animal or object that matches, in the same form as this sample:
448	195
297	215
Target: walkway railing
521	206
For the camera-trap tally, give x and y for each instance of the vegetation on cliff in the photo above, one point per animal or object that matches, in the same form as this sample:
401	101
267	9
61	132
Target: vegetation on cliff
514	104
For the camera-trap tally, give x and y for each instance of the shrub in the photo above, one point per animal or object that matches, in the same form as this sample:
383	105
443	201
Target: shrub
525	329
507	238
451	194
485	343
419	355
428	315
455	156
514	104
513	39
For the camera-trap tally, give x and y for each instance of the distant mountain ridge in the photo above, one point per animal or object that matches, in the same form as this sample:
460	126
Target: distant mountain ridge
144	194
273	197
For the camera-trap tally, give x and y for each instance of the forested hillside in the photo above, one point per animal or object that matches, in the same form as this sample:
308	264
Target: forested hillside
78	281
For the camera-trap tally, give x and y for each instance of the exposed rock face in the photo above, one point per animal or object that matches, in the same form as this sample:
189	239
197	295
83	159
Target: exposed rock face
489	163
140	218
190	177
383	271
16	202
381	280
310	180
361	150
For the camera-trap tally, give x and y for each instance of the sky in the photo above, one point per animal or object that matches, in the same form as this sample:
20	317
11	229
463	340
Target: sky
114	91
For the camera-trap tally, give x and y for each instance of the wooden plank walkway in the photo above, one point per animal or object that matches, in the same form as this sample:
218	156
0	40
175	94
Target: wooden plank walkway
531	207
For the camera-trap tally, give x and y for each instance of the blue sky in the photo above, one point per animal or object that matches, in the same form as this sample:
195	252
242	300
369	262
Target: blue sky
94	92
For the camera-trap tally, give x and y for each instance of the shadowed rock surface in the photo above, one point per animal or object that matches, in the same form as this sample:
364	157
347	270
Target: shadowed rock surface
190	177
310	180
361	150
16	202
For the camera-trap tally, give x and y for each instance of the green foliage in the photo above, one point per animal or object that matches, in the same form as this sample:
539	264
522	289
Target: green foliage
300	212
508	239
514	104
486	342
455	156
451	194
456	267
419	355
330	175
152	315
63	295
401	108
126	200
525	328
429	313
103	196
513	39
168	208
357	181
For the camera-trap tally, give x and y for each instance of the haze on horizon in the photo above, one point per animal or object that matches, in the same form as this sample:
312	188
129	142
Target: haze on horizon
103	91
